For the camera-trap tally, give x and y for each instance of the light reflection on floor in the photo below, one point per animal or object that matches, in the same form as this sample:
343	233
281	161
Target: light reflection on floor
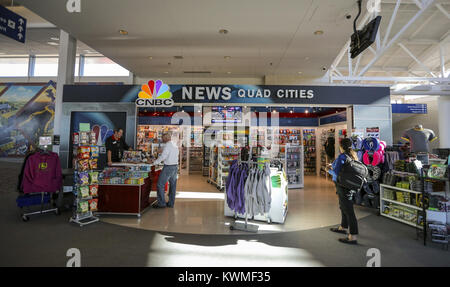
196	212
238	253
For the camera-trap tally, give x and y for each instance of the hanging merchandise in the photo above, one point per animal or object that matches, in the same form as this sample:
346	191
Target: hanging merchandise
256	192
330	147
309	143
85	179
419	138
294	166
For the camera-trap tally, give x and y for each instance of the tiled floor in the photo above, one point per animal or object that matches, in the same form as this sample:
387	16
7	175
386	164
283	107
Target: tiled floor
200	211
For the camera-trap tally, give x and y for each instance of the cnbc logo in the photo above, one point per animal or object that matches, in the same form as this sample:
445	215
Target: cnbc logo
154	94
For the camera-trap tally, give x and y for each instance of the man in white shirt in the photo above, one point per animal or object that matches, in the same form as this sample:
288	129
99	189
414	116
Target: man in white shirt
169	172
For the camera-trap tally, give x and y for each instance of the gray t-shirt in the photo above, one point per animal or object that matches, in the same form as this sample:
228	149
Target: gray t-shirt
419	139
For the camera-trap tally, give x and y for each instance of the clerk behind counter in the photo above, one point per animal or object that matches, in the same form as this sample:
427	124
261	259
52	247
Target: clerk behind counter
115	145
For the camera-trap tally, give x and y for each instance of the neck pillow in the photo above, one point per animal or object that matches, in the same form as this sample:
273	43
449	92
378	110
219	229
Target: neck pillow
375	160
371	144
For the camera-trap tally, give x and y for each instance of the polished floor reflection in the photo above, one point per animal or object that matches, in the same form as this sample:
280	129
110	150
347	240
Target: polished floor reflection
201	211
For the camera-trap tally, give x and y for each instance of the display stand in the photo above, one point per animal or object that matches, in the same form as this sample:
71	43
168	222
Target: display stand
393	208
412	207
309	144
278	208
86	179
438	238
40	198
294	165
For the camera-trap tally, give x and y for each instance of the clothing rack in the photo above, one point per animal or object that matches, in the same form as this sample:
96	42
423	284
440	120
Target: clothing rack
35	198
245	225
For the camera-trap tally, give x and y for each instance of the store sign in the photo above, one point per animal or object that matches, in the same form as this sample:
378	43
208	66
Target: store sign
409	108
199	93
226	94
154	94
12	25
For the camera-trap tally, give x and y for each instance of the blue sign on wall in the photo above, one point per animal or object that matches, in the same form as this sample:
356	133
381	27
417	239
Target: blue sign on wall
236	94
409	108
12	25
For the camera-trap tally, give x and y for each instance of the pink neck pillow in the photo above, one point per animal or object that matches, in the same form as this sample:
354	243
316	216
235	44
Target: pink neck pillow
377	157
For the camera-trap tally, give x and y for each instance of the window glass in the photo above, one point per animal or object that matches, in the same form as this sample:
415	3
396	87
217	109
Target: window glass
102	66
46	67
13	67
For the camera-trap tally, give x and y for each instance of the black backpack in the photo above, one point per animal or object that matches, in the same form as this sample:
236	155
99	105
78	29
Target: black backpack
353	174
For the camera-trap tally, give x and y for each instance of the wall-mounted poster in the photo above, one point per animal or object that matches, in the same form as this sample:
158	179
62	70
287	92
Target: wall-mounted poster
26	113
102	124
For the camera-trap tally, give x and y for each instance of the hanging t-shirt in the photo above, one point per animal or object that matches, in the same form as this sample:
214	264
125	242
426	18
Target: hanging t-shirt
419	139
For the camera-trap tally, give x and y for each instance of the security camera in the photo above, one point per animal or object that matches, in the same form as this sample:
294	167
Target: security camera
324	68
348	16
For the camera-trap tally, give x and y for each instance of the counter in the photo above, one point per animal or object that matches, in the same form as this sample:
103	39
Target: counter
127	199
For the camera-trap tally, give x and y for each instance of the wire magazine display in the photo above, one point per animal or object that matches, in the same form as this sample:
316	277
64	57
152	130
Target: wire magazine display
86	178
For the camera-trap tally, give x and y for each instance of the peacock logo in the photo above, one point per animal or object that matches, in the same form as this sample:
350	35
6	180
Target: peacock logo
155	94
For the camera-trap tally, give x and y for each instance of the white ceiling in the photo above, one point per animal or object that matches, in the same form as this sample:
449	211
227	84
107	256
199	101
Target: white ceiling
39	33
266	37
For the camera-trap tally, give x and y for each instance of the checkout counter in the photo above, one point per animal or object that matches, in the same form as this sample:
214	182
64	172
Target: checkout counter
128	198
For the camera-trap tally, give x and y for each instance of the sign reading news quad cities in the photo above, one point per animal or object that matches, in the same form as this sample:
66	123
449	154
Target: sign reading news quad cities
409	109
154	94
148	95
12	25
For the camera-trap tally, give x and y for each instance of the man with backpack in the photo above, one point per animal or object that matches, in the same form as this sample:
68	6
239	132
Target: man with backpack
349	175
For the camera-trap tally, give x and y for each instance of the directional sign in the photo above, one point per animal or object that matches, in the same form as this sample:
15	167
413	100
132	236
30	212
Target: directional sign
409	108
12	25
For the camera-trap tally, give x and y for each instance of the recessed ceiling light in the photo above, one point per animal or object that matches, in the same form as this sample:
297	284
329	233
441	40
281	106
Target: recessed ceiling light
166	72
123	32
227	57
223	31
150	57
52	43
228	73
318	32
299	73
54	38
